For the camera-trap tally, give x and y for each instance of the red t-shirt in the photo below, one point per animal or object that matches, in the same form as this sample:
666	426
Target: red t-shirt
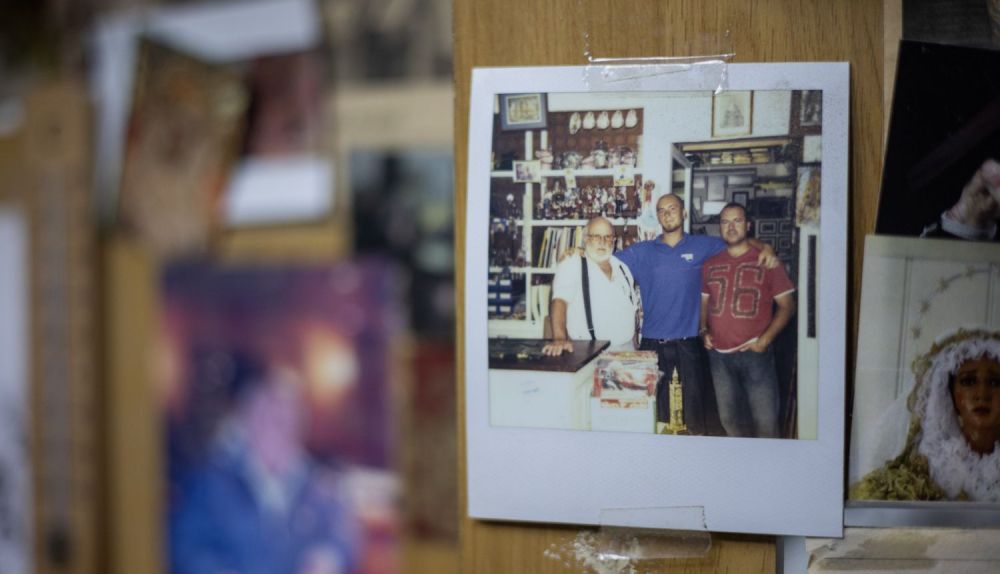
741	294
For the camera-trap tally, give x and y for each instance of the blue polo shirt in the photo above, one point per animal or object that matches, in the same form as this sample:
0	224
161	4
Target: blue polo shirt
669	281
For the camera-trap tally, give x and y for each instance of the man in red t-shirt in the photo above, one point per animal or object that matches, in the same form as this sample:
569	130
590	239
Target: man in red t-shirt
738	324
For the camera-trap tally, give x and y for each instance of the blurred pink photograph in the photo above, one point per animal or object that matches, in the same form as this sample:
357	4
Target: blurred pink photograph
274	383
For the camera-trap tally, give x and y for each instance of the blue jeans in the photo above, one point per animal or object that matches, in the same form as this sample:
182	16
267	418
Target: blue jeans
685	355
746	388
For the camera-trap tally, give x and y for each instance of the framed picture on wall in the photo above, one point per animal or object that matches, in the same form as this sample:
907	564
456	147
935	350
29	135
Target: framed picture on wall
732	114
551	406
522	111
811	108
527	171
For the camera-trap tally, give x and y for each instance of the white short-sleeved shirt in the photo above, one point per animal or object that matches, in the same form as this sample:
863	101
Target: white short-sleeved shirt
612	302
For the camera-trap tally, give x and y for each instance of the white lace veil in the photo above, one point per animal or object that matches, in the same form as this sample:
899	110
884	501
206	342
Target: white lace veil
954	466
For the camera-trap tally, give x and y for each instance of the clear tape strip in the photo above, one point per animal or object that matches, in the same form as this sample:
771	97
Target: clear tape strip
676	532
713	62
712	73
622	543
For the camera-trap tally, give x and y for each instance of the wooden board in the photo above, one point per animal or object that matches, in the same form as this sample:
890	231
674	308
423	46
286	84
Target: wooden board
524	33
45	173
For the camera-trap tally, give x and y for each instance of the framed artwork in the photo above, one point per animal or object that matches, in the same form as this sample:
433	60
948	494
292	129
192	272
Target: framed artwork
806	117
522	111
527	171
732	114
811	108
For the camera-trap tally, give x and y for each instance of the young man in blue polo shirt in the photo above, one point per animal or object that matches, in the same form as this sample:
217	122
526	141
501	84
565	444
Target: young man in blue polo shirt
668	272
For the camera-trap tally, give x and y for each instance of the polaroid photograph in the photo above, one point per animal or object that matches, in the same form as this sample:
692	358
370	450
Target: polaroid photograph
275	396
670	323
941	174
926	404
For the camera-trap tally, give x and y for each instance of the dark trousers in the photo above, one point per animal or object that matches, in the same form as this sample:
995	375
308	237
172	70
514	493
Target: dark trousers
687	356
746	387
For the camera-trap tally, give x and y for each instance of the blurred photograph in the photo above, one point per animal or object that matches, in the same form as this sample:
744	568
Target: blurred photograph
182	140
403	206
285	169
941	177
277	409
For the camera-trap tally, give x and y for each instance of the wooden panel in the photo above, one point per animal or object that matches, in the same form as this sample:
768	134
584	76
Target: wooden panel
524	32
65	432
135	475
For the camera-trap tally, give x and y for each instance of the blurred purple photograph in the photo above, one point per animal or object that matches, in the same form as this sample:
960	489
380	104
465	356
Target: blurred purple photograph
276	401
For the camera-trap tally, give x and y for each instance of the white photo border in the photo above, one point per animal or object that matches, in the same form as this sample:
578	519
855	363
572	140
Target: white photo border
765	486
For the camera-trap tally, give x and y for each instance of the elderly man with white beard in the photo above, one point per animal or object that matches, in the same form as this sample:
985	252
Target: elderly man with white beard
594	296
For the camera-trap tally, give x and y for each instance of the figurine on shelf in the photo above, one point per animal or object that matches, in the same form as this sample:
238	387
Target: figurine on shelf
505	239
603	121
676	423
600	155
571	160
614	157
649	225
631	119
617	120
545	157
627	156
620	202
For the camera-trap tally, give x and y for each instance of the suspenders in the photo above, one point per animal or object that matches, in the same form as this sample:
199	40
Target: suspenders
585	280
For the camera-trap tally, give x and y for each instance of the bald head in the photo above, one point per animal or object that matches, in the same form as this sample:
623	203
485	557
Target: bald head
599	225
670	212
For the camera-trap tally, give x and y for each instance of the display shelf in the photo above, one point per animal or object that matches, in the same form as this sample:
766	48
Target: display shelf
533	222
605	172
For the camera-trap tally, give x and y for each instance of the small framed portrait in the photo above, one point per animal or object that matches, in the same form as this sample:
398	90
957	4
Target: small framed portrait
732	114
527	171
741	197
522	111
